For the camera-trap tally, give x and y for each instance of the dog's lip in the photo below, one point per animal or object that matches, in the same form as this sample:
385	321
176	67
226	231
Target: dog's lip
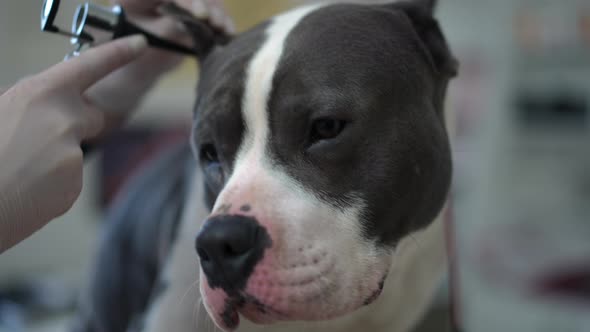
260	313
223	309
229	318
377	292
252	309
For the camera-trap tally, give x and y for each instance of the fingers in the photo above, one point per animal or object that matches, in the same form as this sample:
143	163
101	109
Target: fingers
141	7
212	9
218	15
91	123
164	27
83	71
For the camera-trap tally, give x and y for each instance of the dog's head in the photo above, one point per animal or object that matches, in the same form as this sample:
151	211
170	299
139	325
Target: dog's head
322	140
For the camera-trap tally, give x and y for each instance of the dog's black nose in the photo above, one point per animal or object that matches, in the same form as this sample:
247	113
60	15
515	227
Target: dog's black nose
229	247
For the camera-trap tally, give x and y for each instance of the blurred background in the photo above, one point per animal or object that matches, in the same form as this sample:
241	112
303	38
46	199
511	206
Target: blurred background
519	225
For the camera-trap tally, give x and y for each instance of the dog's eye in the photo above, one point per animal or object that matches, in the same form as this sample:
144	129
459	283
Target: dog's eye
325	128
208	154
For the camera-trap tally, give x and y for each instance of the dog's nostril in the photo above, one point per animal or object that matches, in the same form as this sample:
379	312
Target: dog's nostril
203	255
229	250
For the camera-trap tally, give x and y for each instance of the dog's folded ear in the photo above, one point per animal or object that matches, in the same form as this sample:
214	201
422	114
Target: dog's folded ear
205	35
421	15
429	5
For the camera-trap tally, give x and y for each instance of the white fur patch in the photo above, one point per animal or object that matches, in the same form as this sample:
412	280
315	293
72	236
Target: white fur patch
258	87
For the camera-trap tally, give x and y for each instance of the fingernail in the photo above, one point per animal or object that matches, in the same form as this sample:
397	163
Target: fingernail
199	8
217	17
138	44
230	25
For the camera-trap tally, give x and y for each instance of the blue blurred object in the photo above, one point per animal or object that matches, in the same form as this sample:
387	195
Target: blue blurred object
12	316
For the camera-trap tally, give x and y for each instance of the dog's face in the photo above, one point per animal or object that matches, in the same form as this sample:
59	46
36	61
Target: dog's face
322	141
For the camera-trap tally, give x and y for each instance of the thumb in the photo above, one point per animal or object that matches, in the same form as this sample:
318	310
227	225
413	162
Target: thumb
88	68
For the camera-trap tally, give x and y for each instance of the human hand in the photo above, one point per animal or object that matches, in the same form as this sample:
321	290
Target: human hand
121	92
44	118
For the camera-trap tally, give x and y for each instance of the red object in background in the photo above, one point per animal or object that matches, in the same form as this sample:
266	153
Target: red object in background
527	29
569	282
127	151
584	26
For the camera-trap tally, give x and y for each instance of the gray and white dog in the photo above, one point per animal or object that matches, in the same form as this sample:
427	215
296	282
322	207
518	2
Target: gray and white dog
322	166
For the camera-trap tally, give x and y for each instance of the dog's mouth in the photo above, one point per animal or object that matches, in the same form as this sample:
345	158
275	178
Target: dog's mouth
228	315
226	309
251	308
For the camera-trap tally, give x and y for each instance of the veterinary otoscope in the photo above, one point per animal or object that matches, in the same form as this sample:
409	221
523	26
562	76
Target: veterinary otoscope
94	23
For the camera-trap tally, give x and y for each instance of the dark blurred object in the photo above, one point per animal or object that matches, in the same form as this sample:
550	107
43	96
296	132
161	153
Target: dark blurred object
436	320
140	228
34	300
584	25
127	151
570	282
12	316
555	109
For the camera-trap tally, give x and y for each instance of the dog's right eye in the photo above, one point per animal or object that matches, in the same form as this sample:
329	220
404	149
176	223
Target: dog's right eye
325	129
208	154
212	169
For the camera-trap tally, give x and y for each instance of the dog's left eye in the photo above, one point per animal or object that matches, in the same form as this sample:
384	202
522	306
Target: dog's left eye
208	154
325	128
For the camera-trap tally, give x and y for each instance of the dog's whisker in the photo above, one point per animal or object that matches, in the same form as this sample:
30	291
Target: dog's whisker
188	290
199	304
197	314
208	323
211	325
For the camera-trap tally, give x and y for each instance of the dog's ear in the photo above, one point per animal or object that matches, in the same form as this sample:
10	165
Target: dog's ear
205	35
429	5
421	15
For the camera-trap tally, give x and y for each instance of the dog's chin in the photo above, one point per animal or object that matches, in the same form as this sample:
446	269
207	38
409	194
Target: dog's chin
284	304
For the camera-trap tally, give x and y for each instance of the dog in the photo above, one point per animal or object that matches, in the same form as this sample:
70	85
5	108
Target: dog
313	204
